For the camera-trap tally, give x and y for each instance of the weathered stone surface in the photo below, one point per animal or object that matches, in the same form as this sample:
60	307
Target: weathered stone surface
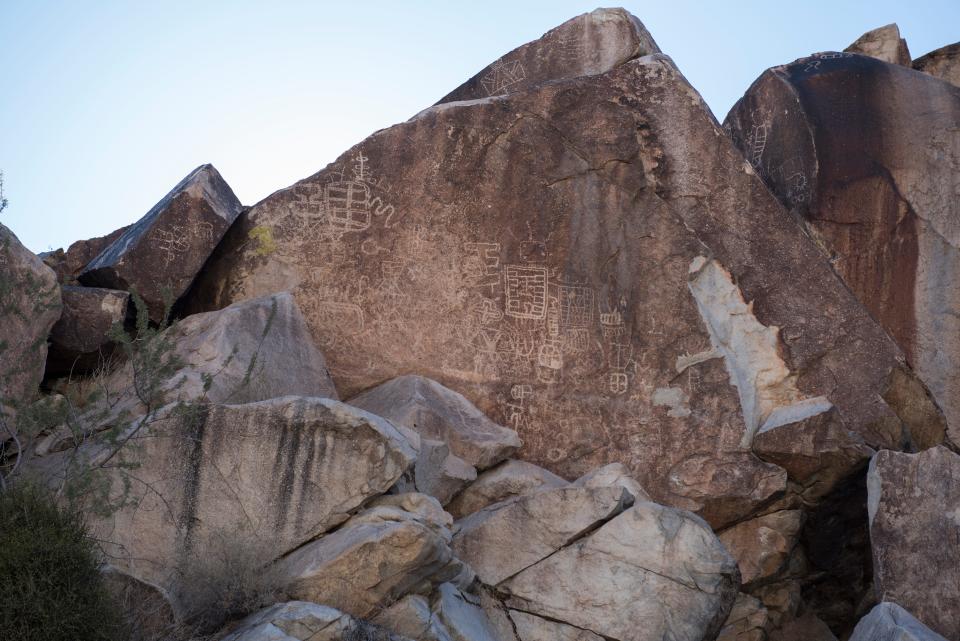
146	608
543	269
509	479
804	628
889	622
304	621
440	414
762	546
80	339
29	306
530	627
376	558
748	621
914	507
883	43
439	473
280	472
867	153
504	538
613	475
412	617
462	615
943	63
166	248
589	44
654	564
68	264
782	601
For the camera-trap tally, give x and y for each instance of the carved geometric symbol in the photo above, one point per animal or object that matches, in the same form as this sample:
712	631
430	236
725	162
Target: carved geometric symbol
347	205
502	76
526	291
576	306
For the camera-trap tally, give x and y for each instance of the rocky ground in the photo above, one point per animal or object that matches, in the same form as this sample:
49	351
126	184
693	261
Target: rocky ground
558	358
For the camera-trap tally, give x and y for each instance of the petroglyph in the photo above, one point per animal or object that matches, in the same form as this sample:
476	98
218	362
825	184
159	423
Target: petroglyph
768	393
526	291
171	243
502	76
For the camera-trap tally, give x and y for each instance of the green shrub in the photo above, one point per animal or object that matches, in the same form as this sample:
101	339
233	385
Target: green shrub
51	588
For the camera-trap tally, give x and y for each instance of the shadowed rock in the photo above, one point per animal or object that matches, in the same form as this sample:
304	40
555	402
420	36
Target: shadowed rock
867	155
159	255
80	341
914	509
943	63
762	546
890	622
68	264
748	621
883	43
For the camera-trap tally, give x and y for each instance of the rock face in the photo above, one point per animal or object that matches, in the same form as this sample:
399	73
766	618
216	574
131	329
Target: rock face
441	414
748	621
373	560
883	43
29	306
943	63
281	471
652	563
914	509
889	622
80	340
304	621
590	44
762	546
68	264
533	628
166	248
867	153
509	479
557	276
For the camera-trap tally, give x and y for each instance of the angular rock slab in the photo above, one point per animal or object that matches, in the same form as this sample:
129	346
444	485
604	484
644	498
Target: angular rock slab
867	153
883	43
373	560
504	538
654	564
942	63
281	471
541	268
29	306
590	44
440	414
509	479
914	509
439	473
462	615
80	341
164	250
805	628
763	545
411	616
889	622
530	627
303	621
68	264
748	621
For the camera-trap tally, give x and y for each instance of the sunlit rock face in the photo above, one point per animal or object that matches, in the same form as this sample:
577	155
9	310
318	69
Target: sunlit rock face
867	155
608	289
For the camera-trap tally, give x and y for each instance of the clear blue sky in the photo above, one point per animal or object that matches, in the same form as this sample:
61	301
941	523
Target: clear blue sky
104	106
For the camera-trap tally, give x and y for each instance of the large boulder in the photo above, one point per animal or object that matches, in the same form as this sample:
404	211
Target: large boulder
413	617
652	564
589	44
375	558
943	63
277	473
867	154
68	264
440	414
914	510
889	622
509	479
883	43
504	538
160	254
29	306
623	291
530	627
304	621
762	546
80	340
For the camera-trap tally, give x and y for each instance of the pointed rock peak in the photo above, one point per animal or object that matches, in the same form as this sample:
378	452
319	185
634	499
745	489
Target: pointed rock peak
943	63
883	43
590	44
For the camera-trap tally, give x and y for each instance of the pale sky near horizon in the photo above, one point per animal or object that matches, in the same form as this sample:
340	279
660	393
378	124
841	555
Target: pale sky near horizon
105	106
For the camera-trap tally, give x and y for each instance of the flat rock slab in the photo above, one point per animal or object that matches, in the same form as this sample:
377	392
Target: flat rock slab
304	621
889	622
914	508
440	414
160	254
509	479
942	63
80	340
653	564
867	153
626	291
29	306
530	627
281	472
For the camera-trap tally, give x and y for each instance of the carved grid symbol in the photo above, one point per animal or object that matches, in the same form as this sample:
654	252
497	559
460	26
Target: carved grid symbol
502	76
526	291
576	306
348	205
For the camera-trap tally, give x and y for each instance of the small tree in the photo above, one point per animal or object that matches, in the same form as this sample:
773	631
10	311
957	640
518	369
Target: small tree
3	200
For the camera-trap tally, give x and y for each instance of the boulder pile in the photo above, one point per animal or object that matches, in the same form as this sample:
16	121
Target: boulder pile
558	358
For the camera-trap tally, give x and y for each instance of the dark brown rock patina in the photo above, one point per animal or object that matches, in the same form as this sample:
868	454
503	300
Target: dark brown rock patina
80	340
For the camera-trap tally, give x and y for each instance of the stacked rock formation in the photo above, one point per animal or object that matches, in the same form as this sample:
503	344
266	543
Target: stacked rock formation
610	370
